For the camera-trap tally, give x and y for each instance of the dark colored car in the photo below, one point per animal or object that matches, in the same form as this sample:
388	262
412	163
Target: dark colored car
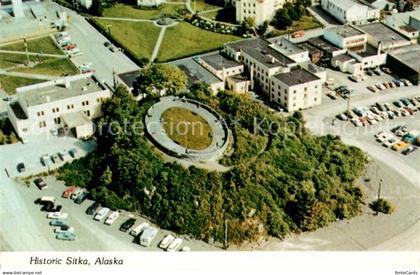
40	183
125	226
92	209
409	150
50	207
81	198
21	167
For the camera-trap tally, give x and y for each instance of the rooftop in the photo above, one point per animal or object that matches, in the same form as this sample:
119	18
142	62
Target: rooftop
239	78
129	78
409	55
323	45
56	90
345	31
342	57
382	33
195	72
286	47
218	61
296	77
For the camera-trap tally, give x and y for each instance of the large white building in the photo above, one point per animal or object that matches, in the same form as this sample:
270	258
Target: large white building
260	10
68	103
349	11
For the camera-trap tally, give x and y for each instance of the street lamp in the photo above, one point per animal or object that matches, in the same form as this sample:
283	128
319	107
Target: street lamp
108	26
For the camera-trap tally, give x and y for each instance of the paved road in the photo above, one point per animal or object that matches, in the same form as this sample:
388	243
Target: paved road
91	44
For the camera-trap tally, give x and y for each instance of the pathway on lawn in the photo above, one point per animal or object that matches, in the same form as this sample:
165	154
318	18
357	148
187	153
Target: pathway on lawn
34	53
188	6
28	75
124	19
158	43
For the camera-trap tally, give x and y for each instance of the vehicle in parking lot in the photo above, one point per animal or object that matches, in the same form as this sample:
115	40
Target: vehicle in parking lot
389	142
92	209
406	82
51	207
174	245
73	152
21	167
166	241
397	103
112	217
57	223
356	122
400	131
82	197
380	86
411	136
377	71
384	135
66	236
342	116
409	150
45	160
76	193
64	228
45	199
149	233
125	226
372	88
40	183
64	155
57	215
386	70
56	159
399	145
101	214
185	249
138	229
69	191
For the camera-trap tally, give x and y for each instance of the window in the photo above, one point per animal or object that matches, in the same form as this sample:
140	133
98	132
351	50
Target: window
85	103
87	113
41	113
57	120
71	106
55	110
306	88
42	124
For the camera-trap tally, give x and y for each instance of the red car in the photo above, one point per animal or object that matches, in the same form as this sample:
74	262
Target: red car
69	191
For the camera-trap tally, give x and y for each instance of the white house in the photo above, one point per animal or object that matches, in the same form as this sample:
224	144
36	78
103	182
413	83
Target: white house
349	11
68	103
260	10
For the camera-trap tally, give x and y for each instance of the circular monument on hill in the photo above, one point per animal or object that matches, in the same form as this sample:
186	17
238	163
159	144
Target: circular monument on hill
187	129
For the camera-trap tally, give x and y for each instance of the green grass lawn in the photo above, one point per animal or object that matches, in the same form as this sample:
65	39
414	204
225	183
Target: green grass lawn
305	23
41	45
185	39
126	11
137	37
9	60
186	128
201	5
10	83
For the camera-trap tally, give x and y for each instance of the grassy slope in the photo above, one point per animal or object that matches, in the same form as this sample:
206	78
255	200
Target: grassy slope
126	11
185	40
41	45
10	83
139	38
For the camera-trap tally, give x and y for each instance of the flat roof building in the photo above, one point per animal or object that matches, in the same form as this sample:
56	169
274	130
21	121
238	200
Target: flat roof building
380	35
405	61
351	11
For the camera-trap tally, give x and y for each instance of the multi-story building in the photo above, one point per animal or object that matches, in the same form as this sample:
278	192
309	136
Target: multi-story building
349	11
296	90
291	50
68	103
260	10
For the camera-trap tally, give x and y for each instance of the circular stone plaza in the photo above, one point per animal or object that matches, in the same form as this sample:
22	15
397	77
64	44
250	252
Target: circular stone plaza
187	129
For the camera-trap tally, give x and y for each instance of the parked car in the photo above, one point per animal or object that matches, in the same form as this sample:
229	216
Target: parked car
149	233
174	245
57	223
101	214
82	197
57	215
400	145
76	193
92	209
409	150
356	122
384	135
45	160
372	88
40	183
164	244
64	228
185	249
64	155
69	191
138	229
389	142
125	226
21	167
386	70
45	199
73	152
51	207
56	159
112	217
342	116
66	236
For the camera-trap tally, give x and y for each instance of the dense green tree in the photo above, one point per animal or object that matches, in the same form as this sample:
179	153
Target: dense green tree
97	7
158	78
282	19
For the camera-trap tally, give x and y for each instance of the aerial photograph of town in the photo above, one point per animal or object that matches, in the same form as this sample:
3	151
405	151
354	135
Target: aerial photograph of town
209	125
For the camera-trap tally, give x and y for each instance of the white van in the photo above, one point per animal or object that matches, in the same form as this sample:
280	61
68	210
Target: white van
138	229
174	245
148	235
76	193
101	214
45	199
112	217
166	241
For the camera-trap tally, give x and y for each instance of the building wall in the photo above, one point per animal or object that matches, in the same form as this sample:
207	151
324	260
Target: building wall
225	72
347	42
238	87
261	10
297	97
370	61
357	14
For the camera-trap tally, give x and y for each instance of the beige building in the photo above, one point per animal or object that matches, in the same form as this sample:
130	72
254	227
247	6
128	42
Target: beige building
296	90
68	103
260	10
346	37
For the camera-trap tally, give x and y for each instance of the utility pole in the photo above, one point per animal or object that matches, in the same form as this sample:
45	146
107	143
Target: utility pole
26	51
109	29
379	196
114	79
348	106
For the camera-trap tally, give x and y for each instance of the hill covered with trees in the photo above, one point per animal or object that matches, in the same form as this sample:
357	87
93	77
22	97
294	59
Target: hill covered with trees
282	178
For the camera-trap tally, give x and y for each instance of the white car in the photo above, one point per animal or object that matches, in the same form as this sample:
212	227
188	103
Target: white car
383	136
64	229
57	215
164	244
64	155
389	142
186	249
101	214
174	245
356	122
76	193
112	217
138	229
